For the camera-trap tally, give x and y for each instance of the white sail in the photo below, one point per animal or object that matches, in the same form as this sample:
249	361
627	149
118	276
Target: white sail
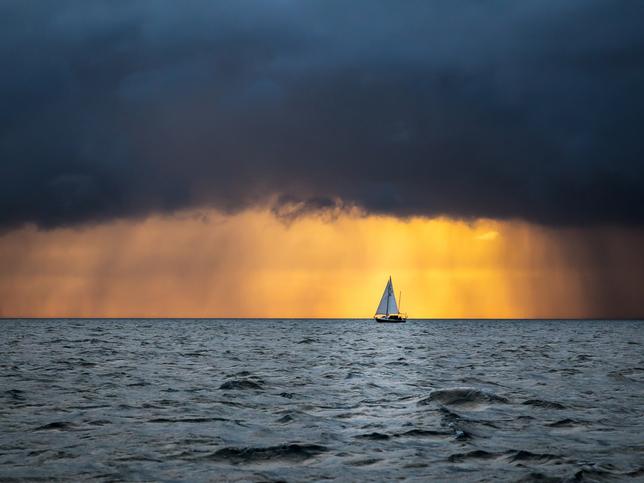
388	303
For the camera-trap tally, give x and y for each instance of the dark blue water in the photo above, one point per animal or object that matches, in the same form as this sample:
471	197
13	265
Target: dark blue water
261	400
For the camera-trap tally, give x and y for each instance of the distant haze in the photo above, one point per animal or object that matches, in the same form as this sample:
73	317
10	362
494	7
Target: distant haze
204	264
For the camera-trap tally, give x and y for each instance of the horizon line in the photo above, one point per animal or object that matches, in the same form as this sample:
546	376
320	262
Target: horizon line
322	318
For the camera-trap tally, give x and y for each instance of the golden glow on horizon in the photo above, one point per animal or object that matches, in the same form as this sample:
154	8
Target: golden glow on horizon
204	264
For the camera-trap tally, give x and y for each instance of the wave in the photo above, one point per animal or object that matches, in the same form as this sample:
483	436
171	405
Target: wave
460	396
635	374
513	456
478	454
15	394
186	420
240	374
307	340
240	384
424	433
56	425
464	428
374	436
287	418
523	455
543	404
292	452
564	423
99	422
535	476
364	462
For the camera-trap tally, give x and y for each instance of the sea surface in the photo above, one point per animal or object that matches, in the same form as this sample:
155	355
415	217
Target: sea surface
346	400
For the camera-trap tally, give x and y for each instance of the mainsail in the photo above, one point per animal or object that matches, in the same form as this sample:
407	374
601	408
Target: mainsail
388	303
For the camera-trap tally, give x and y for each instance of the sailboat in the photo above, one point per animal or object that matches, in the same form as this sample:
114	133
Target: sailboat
387	310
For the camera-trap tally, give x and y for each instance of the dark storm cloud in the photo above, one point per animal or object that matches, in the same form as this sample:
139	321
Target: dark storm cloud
502	109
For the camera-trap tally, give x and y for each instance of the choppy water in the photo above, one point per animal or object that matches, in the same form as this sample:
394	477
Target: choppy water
292	400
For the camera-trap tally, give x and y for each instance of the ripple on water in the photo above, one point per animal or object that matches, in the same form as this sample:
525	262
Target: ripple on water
172	400
292	452
543	404
375	436
240	385
565	423
56	426
462	396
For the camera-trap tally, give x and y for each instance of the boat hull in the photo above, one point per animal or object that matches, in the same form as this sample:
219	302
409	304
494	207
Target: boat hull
390	319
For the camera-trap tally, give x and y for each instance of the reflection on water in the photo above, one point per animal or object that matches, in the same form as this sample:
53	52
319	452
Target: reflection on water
321	399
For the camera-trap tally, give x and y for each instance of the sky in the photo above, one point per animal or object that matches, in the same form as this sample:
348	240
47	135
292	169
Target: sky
283	158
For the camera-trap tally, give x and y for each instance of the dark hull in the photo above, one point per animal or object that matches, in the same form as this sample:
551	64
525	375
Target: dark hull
390	319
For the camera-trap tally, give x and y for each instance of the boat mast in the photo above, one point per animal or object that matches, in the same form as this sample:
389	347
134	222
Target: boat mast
388	294
400	301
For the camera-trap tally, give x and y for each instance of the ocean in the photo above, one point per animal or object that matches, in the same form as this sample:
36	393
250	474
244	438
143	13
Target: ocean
346	400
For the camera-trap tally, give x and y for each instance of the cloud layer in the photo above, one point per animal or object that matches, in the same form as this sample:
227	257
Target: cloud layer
530	110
